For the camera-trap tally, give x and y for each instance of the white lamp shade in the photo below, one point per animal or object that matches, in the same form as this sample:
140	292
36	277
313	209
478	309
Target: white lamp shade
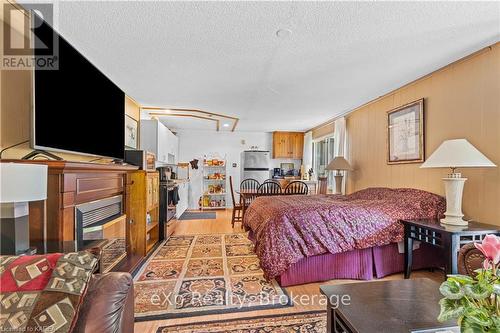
338	163
22	182
458	153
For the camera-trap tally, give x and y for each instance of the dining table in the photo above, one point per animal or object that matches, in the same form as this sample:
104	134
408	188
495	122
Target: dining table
246	198
248	195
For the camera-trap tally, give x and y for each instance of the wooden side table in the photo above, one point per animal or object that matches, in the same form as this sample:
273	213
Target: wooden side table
448	238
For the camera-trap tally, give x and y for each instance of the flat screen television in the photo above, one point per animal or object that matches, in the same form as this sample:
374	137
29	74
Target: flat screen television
76	108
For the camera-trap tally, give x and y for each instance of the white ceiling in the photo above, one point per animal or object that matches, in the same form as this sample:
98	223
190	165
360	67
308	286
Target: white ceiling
194	123
191	123
225	57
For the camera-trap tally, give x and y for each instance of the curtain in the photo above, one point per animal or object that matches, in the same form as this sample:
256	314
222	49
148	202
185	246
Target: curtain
307	159
339	137
340	143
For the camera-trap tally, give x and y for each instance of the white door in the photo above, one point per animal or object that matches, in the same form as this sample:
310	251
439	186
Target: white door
322	155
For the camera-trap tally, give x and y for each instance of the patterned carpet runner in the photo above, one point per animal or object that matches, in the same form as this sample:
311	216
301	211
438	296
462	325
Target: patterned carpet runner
204	274
310	322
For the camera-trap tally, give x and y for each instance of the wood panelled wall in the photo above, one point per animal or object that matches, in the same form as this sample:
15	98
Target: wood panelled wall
322	131
15	110
462	100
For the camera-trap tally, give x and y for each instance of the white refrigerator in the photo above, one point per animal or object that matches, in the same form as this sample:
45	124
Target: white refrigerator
255	164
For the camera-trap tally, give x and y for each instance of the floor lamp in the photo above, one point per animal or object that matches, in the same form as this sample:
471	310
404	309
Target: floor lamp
455	154
339	164
19	184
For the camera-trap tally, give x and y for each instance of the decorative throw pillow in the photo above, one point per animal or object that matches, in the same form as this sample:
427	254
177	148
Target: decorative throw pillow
43	293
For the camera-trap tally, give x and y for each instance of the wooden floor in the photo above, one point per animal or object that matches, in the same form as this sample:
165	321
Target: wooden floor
222	224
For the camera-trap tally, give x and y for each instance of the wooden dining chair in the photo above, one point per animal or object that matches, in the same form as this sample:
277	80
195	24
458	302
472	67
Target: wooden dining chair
297	187
249	185
322	185
237	215
269	188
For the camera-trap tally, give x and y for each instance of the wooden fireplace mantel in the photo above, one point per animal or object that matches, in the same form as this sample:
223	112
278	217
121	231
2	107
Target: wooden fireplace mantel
68	166
52	222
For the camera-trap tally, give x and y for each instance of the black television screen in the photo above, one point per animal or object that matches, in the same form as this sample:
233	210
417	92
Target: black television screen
76	107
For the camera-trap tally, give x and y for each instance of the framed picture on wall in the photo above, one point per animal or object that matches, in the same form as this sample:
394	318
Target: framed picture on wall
405	133
130	132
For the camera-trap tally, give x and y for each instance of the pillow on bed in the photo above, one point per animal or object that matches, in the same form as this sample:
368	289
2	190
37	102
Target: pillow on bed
421	198
374	193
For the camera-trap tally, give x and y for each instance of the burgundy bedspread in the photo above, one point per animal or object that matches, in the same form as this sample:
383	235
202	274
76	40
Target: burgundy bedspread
289	228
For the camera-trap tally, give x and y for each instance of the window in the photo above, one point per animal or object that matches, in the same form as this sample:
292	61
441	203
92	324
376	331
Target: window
323	153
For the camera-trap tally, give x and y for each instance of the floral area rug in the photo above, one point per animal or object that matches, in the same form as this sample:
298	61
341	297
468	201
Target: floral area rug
308	322
204	274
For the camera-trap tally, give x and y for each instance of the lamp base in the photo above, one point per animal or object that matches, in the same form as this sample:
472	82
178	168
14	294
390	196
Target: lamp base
338	183
14	229
454	188
454	220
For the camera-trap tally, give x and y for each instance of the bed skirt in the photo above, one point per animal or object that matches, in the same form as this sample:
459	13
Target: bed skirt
356	264
363	264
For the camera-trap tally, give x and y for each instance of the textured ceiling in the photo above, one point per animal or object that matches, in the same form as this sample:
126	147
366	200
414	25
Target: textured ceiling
191	123
225	57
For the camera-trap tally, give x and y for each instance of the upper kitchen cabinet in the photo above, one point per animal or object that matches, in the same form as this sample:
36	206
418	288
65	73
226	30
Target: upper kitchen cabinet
172	147
158	139
288	145
298	145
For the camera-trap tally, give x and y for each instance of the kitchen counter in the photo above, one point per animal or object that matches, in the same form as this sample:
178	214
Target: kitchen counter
312	184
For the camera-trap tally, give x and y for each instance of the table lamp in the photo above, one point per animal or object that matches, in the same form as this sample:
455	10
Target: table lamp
19	184
338	163
458	153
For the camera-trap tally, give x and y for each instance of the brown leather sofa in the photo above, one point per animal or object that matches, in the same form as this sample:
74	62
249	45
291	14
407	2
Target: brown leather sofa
108	306
469	259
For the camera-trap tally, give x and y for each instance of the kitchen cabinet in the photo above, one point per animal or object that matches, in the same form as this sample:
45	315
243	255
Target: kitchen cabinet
280	148
158	139
162	143
183	203
298	145
143	210
288	145
172	148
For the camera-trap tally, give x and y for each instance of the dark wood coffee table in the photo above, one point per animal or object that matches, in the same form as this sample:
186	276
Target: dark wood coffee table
384	306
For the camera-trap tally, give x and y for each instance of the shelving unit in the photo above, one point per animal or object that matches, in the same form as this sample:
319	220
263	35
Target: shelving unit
150	226
144	209
214	184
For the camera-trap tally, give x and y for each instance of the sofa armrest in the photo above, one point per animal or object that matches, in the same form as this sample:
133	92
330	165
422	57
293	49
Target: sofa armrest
108	306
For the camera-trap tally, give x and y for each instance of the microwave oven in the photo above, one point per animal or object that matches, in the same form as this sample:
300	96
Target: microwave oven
141	158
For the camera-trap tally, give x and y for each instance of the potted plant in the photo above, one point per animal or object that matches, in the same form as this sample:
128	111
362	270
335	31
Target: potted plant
475	301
